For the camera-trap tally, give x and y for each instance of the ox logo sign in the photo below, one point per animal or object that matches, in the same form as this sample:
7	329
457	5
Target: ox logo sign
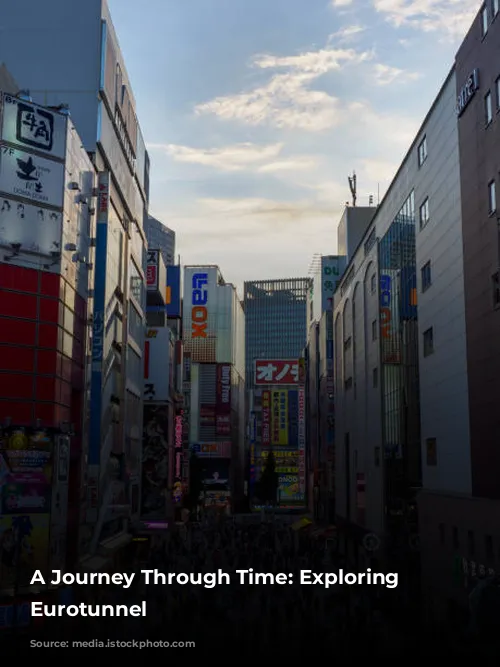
199	312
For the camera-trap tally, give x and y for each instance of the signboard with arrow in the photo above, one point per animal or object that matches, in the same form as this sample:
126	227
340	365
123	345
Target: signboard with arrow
31	177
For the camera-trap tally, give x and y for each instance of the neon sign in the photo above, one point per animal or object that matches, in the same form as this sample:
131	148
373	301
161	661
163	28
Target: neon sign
199	312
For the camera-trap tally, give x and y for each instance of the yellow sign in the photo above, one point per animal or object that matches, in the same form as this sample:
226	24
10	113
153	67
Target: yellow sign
283	432
151	333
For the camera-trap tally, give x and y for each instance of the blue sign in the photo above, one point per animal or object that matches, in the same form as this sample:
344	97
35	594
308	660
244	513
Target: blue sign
173	291
293	419
101	252
408	305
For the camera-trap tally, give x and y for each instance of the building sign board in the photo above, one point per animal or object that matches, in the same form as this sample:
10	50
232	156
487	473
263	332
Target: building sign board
277	372
31	177
467	91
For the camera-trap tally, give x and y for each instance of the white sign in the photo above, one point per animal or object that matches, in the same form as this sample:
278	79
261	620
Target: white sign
34	128
36	229
467	91
156	364
35	178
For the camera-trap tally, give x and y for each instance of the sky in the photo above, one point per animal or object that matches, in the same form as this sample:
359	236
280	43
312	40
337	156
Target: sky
255	112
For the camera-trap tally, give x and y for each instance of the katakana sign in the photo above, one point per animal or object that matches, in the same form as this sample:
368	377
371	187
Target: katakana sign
277	372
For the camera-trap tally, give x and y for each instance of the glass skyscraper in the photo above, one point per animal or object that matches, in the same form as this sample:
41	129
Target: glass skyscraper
276	320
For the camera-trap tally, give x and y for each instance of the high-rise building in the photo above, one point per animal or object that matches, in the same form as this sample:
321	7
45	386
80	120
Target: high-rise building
214	381
47	266
276	320
162	237
400	372
352	227
75	60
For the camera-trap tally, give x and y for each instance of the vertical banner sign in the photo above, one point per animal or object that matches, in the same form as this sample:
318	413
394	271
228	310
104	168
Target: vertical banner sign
293	419
266	418
223	400
152	270
177	490
98	327
283	422
199	312
302	443
253	422
390	346
173	287
275	418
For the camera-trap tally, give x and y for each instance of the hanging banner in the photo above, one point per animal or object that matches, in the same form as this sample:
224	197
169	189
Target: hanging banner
223	400
302	442
266	418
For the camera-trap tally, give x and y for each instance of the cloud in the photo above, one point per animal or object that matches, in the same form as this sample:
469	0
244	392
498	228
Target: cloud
286	101
227	158
378	171
385	75
341	3
346	34
450	17
260	208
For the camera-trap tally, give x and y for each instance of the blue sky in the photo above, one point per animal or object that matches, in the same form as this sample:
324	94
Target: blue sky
256	111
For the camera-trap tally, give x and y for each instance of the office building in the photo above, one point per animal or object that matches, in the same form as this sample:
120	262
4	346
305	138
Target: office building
214	382
352	227
47	259
460	505
74	59
276	320
382	402
162	237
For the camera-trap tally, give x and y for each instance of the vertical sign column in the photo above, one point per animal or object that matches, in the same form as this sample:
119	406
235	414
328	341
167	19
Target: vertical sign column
302	443
266	426
94	453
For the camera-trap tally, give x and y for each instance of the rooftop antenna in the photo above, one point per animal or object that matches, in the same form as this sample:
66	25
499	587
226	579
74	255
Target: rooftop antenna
352	187
370	200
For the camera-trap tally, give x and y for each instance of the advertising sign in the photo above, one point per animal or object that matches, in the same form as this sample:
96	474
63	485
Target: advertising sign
216	475
408	290
277	372
212	449
152	270
24	496
293	418
332	268
467	91
302	442
279	416
223	400
21	461
266	418
154	458
32	127
173	299
31	177
35	229
98	328
177	490
389	325
199	300
156	364
288	486
24	540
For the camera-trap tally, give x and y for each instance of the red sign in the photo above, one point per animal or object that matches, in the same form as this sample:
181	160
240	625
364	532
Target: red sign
152	270
266	418
223	424
277	371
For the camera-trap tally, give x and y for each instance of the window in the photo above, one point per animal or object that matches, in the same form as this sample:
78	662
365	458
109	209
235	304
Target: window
425	272
492	197
375	378
488	547
431	451
422	152
495	285
495	6
470	543
488	108
424	213
373	283
428	342
484	20
456	541
374	330
441	533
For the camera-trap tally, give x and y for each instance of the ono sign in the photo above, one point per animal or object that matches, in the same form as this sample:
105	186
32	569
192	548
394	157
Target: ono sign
199	299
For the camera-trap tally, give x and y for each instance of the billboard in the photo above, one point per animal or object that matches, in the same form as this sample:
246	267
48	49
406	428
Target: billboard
152	270
293	418
288	487
98	326
302	442
332	268
173	300
154	458
32	127
157	364
178	451
286	462
223	400
31	177
277	372
23	495
266	418
279	417
212	449
389	317
36	229
200	313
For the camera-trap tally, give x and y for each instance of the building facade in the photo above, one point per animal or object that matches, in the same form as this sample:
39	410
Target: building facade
47	259
96	89
460	504
411	251
214	382
162	237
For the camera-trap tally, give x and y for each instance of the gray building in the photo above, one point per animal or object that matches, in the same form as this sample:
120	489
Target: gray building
276	320
71	56
352	227
161	237
387	413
